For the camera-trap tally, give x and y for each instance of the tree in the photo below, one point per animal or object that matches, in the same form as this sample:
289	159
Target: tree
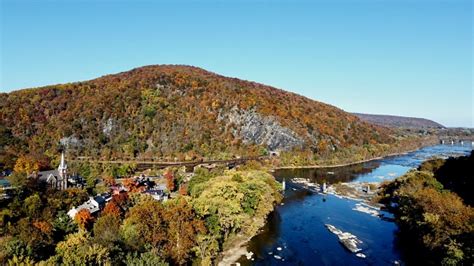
231	205
25	261
44	227
197	184
26	165
84	219
144	224
36	236
207	248
63	225
144	259
79	249
170	181
131	185
111	208
110	181
107	230
434	222
121	200
183	190
18	180
183	228
33	205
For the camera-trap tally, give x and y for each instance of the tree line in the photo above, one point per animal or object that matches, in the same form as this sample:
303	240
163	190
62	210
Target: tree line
433	207
134	229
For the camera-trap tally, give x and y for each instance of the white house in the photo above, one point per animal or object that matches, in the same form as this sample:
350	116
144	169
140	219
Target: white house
93	205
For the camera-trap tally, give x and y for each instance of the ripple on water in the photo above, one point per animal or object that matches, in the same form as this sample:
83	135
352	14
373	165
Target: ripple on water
298	227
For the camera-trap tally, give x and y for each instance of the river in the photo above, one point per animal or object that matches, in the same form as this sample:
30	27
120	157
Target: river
295	233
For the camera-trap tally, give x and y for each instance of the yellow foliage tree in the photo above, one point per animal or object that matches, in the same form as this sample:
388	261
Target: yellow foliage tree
26	165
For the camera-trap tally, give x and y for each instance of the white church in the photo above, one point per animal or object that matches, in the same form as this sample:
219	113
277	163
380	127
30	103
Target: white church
58	178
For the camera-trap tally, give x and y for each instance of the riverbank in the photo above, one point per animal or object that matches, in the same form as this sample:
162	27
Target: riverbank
349	163
237	250
301	220
238	246
253	209
404	147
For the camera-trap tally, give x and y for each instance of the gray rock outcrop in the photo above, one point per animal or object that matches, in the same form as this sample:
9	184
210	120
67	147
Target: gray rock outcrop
252	127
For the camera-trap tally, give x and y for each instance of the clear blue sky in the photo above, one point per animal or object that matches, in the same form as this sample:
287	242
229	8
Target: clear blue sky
402	57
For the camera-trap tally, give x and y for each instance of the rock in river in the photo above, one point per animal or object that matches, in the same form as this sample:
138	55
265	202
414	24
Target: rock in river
347	239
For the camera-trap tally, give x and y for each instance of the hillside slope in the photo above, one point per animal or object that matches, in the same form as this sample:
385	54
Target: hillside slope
398	121
178	112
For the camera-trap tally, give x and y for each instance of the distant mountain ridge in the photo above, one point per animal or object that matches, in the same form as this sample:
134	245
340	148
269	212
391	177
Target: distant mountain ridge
398	121
180	112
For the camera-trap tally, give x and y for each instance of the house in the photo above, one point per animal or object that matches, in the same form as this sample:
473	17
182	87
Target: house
5	173
157	192
93	205
5	188
117	189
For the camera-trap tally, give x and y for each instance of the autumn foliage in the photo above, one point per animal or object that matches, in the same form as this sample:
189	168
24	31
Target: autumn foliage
26	165
436	225
43	226
132	185
84	219
173	228
170	180
110	181
168	112
183	190
112	208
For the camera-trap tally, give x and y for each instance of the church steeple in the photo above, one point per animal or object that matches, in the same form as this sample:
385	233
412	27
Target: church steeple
62	169
62	165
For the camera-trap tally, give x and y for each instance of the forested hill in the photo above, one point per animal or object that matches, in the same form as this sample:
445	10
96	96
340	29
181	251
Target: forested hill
399	121
176	112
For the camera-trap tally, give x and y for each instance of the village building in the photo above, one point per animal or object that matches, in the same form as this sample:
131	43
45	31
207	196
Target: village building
93	205
60	178
158	192
5	188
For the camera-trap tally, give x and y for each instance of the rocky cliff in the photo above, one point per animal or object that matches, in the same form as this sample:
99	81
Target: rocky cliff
182	112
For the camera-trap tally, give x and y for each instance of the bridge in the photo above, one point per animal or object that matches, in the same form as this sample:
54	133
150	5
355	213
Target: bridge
148	164
463	140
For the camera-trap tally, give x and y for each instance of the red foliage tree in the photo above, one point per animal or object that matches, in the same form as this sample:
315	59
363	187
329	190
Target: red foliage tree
84	219
113	209
131	185
43	226
120	199
110	181
169	181
183	190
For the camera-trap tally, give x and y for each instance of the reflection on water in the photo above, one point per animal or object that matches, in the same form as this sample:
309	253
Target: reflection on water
373	171
328	175
295	233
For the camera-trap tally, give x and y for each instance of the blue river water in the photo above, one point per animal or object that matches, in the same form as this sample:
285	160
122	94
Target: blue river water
295	233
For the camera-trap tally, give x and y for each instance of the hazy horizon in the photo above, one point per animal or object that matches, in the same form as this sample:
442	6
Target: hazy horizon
415	61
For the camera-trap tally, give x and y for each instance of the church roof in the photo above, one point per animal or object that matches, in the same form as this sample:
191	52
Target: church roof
43	175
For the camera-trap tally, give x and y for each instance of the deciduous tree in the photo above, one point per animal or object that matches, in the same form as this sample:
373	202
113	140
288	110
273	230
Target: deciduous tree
84	219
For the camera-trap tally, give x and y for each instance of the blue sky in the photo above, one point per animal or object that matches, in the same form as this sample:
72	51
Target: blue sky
411	58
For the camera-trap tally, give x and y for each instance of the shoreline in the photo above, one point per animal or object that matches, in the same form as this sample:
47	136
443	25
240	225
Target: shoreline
348	164
239	249
233	254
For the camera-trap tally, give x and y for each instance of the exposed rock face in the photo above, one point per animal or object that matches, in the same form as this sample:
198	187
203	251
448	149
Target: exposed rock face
254	128
70	141
108	126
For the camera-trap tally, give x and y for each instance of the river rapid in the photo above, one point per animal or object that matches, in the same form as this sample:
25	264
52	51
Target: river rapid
295	233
